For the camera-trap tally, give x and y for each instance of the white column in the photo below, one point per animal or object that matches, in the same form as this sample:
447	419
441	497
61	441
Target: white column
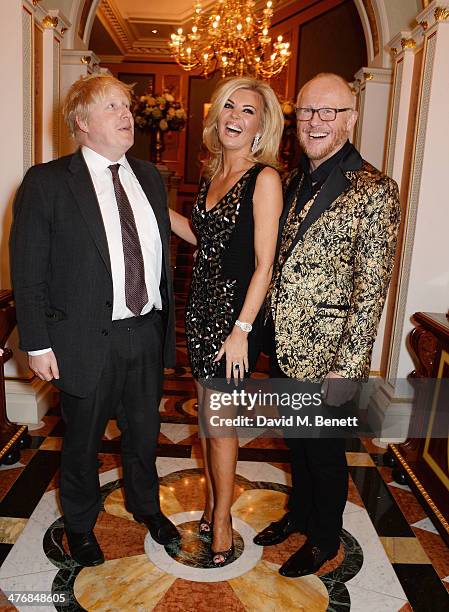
74	64
12	70
424	276
374	96
418	160
407	51
54	26
27	398
374	89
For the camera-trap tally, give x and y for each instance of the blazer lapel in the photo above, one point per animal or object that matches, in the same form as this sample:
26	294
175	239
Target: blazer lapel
81	185
337	183
333	187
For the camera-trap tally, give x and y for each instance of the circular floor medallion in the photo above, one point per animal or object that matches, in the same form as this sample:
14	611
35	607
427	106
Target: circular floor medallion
191	560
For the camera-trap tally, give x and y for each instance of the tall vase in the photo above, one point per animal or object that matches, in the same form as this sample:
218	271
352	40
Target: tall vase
156	146
159	145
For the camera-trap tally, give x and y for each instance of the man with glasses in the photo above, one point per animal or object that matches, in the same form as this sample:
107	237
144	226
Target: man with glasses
335	256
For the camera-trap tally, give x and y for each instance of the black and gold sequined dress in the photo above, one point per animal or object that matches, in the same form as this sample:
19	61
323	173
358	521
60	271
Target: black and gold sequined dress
221	275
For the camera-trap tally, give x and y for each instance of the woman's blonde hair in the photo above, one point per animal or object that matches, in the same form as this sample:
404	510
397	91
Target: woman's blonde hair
85	92
271	124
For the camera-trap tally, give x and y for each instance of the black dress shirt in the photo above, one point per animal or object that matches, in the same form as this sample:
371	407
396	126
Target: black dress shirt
313	181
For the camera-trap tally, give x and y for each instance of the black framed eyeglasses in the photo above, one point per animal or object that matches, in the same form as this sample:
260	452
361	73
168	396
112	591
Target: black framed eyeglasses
325	114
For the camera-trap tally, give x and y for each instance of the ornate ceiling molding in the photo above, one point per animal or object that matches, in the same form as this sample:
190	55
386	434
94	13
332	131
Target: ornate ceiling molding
124	36
115	25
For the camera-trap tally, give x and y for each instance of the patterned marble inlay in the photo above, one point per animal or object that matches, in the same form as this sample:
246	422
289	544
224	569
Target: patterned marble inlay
52	443
177	432
404	550
197	569
166	584
195	551
260	507
359	459
265	589
426	524
112	431
122	584
10	529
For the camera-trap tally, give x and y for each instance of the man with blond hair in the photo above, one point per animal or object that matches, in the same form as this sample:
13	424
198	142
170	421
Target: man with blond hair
335	257
91	275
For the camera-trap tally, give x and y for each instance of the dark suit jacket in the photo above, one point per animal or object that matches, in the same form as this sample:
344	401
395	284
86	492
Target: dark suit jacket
61	270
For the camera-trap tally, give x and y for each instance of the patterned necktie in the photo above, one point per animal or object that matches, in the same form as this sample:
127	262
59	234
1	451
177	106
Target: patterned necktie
135	289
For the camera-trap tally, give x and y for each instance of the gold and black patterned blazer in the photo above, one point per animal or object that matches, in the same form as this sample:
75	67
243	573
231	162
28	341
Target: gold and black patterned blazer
332	273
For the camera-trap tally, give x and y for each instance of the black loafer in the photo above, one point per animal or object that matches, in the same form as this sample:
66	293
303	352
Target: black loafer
84	548
277	532
307	560
161	529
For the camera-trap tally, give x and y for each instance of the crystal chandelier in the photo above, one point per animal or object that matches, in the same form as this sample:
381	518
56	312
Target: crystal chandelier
232	39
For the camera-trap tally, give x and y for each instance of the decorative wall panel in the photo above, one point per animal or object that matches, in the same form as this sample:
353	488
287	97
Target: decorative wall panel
27	62
391	144
56	96
413	198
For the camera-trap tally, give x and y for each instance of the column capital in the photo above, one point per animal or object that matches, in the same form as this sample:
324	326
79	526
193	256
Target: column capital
406	41
53	19
77	57
376	75
436	12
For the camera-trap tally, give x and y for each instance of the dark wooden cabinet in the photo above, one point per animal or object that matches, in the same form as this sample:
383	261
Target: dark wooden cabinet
12	437
423	459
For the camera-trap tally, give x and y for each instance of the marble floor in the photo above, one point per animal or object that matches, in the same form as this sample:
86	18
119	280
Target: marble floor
391	556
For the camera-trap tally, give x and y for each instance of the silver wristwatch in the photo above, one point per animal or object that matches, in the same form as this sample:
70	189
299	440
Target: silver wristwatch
247	327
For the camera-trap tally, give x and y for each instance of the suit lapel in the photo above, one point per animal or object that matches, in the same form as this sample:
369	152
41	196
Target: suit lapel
334	186
337	183
81	185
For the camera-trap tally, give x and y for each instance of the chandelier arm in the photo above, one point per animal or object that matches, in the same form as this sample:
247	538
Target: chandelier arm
233	39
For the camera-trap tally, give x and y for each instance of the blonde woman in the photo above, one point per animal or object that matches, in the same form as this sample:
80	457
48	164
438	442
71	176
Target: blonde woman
235	223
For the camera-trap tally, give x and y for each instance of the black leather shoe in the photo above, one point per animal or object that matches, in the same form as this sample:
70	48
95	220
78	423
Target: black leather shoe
161	529
277	532
84	548
307	560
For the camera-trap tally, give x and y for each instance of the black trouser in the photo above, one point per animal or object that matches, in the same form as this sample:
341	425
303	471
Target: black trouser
319	488
319	481
130	388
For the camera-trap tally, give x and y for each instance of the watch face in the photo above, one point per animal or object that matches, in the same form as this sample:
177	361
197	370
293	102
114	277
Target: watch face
247	327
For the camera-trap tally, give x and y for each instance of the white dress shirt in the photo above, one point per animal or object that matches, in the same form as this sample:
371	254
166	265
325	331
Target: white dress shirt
147	229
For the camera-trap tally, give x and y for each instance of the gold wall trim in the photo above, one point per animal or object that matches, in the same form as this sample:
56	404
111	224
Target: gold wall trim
444	360
408	43
50	22
420	488
14	439
441	14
